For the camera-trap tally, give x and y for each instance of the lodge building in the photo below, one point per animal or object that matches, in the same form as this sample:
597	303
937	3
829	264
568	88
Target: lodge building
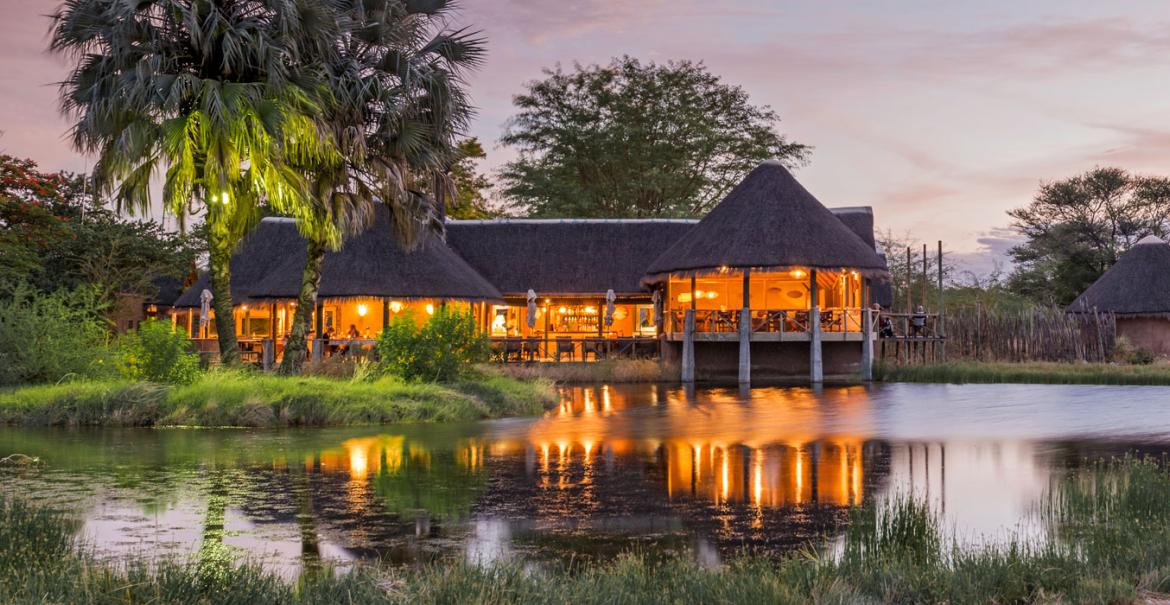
769	284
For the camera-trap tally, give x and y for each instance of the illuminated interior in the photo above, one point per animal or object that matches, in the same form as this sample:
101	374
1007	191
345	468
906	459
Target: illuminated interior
572	318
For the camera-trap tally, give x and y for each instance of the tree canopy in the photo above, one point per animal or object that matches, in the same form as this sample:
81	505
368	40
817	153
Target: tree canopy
470	200
54	235
633	139
1078	227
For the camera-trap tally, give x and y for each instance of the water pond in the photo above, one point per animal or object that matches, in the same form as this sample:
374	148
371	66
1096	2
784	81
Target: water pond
656	469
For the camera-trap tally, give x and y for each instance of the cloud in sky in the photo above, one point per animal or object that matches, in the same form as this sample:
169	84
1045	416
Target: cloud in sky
942	115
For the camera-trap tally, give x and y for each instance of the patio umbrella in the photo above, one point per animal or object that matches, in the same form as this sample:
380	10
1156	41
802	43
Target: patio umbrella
205	307
531	309
657	298
609	298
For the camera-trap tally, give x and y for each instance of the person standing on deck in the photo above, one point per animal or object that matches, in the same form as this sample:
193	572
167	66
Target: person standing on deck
918	321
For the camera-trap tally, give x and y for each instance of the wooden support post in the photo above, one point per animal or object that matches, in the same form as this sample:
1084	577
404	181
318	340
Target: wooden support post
688	352
745	331
385	313
940	330
190	331
272	320
318	349
320	319
268	354
867	344
909	283
925	275
816	373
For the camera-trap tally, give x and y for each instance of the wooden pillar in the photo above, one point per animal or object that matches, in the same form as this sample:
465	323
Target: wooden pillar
272	320
190	332
688	352
320	319
816	366
745	331
867	344
268	354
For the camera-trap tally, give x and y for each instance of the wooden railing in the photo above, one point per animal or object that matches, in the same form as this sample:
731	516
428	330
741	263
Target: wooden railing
833	320
565	348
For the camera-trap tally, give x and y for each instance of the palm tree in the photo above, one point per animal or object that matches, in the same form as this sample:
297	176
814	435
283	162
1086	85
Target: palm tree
209	91
398	104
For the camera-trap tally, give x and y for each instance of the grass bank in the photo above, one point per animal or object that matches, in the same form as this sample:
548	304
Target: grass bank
253	399
609	371
1028	373
1107	541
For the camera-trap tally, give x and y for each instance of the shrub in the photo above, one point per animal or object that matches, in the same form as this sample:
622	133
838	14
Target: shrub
445	348
48	337
158	353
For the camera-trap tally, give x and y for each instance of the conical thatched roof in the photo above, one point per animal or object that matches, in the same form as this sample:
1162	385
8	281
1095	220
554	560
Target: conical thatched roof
769	221
272	259
1137	284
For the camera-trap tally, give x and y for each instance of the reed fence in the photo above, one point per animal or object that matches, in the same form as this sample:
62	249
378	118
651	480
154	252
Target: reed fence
1036	334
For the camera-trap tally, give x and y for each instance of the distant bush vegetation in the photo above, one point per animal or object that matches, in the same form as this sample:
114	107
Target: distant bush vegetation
49	337
443	349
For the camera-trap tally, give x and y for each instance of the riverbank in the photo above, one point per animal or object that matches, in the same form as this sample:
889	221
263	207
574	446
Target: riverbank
1106	539
251	399
1027	373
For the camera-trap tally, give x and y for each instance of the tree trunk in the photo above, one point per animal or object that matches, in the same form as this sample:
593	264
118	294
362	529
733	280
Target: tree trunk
295	349
219	263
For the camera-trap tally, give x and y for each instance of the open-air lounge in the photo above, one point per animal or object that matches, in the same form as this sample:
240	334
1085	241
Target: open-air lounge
769	270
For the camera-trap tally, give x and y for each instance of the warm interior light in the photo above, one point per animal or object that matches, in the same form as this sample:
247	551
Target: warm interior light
590	310
547	301
395	306
854	274
712	294
562	310
225	197
362	310
430	309
619	314
685	297
244	307
797	274
698	294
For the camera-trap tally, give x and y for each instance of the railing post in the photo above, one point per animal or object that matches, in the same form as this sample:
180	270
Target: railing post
867	344
816	368
267	354
688	352
745	345
318	349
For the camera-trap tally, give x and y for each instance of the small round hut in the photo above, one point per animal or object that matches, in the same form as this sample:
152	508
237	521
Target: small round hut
1136	291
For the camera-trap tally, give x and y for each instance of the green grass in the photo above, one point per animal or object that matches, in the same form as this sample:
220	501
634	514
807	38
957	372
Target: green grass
609	371
227	398
1108	541
1027	373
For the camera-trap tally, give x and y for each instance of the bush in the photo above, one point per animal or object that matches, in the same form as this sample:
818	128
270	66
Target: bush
444	349
158	353
48	337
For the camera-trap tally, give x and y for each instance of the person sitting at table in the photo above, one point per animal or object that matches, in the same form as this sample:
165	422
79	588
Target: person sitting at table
350	335
885	324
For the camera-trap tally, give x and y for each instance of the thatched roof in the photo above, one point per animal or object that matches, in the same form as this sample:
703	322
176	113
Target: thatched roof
369	265
167	290
1135	285
859	219
265	248
769	221
571	256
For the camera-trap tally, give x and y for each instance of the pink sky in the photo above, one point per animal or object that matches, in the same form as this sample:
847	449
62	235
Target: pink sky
940	114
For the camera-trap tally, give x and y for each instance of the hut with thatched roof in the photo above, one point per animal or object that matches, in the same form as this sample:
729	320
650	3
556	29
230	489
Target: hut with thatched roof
363	285
593	282
769	263
1136	293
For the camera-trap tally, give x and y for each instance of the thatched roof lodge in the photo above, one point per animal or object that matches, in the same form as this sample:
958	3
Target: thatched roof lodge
1137	293
550	279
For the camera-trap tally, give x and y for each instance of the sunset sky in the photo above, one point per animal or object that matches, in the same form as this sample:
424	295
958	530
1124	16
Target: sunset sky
942	115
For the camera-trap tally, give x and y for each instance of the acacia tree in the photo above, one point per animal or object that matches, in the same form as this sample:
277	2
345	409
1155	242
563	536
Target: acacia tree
398	105
209	91
1077	228
635	140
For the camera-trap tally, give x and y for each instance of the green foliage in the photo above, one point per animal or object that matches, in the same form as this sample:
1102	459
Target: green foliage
49	337
471	186
1077	228
635	140
444	349
242	398
54	235
157	352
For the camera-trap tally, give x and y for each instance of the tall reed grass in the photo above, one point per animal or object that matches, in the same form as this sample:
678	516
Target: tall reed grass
1026	373
240	398
1108	541
607	371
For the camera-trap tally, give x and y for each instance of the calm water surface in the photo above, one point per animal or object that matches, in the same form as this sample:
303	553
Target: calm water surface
650	468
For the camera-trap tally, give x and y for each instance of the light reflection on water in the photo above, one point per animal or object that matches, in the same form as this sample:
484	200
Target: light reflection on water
649	468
